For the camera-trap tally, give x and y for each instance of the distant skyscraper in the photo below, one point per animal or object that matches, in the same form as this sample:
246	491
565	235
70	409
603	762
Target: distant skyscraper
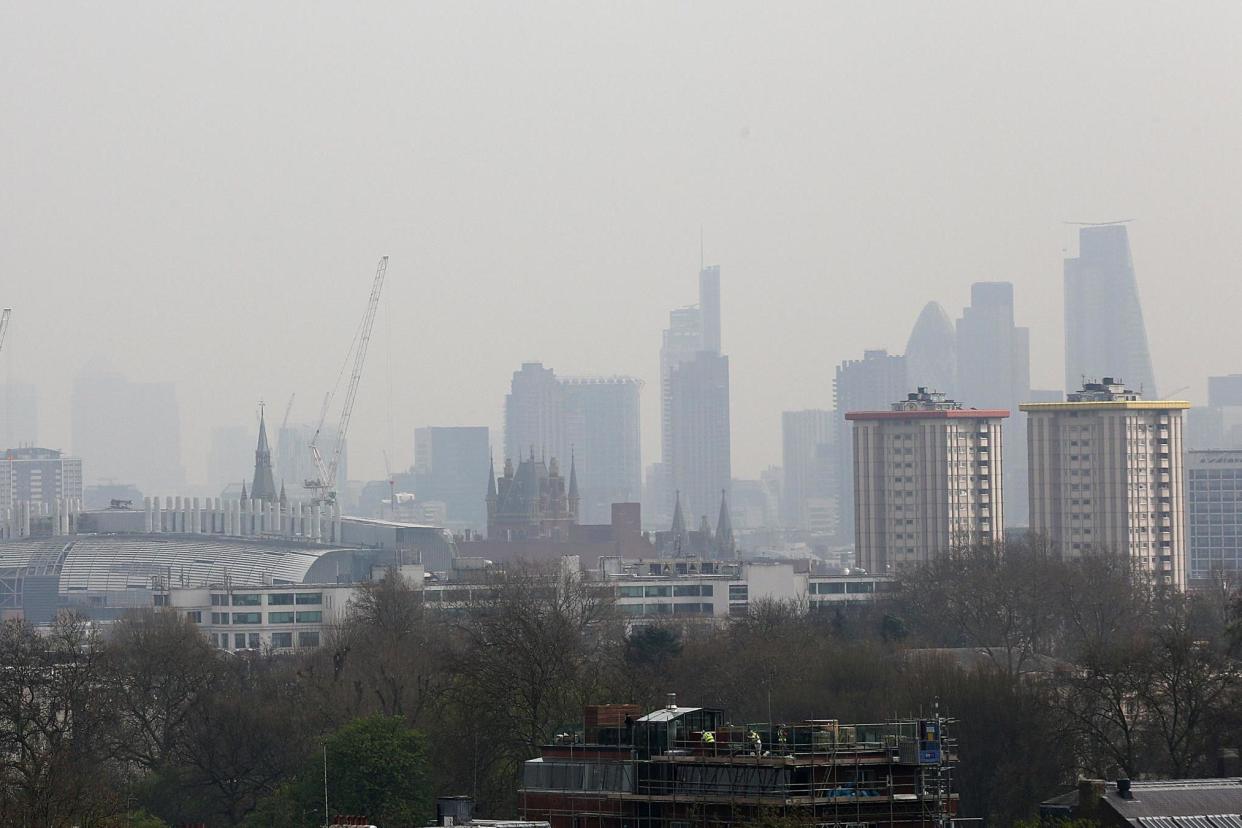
38	475
129	432
1218	425
994	371
931	352
926	478
449	463
694	402
1106	475
867	384
230	455
19	414
603	432
1214	513
535	414
1104	330
807	438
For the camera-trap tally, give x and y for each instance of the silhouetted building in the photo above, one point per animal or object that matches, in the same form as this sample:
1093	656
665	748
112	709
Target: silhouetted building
694	402
927	477
1106	475
38	475
263	486
807	439
532	501
994	371
867	384
1104	329
128	431
931	352
1219	424
603	432
535	413
19	414
449	462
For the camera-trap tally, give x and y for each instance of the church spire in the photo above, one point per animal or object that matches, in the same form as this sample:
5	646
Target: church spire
725	549
573	487
264	486
681	541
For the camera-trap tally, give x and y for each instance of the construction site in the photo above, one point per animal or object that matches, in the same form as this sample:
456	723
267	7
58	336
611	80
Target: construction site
680	767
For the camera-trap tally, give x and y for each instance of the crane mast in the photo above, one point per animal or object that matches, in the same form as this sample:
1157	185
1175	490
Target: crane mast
324	487
4	324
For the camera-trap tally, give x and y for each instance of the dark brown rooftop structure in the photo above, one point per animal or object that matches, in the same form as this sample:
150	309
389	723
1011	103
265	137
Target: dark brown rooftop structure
678	767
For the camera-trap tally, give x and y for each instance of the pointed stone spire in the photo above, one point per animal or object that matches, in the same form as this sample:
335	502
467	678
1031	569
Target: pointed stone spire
264	487
574	500
725	549
284	501
491	481
681	541
244	496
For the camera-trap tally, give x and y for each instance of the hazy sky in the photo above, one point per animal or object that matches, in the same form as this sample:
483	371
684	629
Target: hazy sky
199	192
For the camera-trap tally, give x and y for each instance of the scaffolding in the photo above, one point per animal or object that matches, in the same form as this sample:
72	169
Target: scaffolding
662	771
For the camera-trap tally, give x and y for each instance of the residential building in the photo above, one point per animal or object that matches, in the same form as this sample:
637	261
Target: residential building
127	431
928	476
694	404
604	436
1106	474
867	384
1214	514
449	462
931	351
679	766
807	439
19	414
1104	329
994	371
38	476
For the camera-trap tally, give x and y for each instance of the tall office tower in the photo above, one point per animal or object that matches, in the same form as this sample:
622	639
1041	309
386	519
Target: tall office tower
694	404
535	414
128	432
230	454
602	430
293	462
931	352
867	384
449	463
1219	424
1106	474
927	478
806	444
38	475
1214	514
1104	330
994	371
700	452
19	414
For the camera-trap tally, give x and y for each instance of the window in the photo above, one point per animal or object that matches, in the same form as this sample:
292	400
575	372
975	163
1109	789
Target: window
239	641
282	640
280	618
630	592
247	600
860	587
685	590
312	617
308	639
739	592
219	600
658	609
214	639
832	588
195	615
309	598
706	591
219	618
255	642
657	592
247	618
279	599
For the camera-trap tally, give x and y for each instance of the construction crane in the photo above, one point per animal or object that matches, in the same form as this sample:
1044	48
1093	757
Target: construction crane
4	324
324	487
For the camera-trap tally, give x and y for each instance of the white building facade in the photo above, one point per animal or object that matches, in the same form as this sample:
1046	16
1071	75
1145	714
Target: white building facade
1106	474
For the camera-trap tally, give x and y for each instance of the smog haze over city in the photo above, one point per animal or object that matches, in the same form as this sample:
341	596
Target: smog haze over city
197	193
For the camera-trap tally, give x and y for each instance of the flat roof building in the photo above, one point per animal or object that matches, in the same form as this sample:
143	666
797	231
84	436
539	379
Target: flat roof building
1106	474
927	477
1213	514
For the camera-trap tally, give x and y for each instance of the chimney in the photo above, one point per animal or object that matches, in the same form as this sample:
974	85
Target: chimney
1228	765
672	701
1090	792
1123	788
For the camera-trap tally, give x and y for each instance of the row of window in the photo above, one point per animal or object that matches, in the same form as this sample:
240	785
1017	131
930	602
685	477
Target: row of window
252	641
299	617
665	591
274	599
666	609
